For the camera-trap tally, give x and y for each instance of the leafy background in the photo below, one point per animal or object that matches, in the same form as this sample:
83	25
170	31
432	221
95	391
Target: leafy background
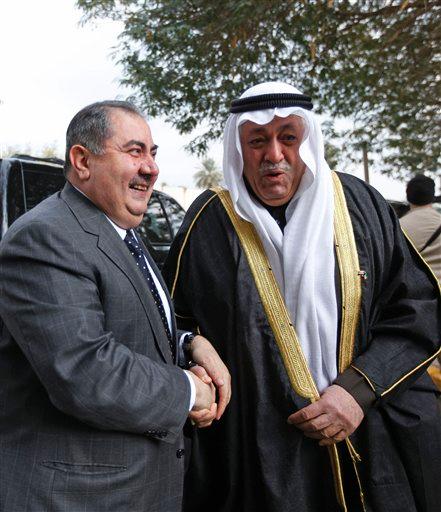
372	68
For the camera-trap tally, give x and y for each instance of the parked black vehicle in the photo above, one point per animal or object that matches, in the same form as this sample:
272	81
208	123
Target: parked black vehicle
26	180
400	207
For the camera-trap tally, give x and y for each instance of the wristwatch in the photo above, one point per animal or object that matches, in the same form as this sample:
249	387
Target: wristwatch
187	347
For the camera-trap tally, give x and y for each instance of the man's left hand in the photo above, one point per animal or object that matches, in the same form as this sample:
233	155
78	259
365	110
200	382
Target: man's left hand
204	354
331	419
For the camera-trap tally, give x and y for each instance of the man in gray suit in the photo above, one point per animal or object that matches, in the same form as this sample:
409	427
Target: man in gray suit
92	404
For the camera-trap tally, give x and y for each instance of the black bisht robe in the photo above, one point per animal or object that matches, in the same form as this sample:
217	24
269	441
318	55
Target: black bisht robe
251	459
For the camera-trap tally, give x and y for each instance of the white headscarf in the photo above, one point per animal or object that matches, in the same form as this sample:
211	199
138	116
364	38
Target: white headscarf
302	257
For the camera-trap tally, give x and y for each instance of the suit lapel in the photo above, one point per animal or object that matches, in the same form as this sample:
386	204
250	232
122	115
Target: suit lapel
162	282
110	243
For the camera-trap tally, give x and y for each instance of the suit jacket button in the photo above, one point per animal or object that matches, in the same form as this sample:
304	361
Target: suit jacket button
180	453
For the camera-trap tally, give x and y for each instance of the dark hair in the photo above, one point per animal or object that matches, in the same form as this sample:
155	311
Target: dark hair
420	190
90	127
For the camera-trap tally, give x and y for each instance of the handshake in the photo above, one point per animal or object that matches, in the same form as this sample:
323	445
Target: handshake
209	375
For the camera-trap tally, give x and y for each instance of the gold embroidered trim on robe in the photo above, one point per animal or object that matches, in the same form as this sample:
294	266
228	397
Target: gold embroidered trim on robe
184	243
273	303
350	279
438	352
347	258
292	354
278	317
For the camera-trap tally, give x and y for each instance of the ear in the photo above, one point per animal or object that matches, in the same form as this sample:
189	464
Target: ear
80	160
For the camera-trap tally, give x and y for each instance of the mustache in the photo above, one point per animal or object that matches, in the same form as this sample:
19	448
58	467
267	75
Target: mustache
270	167
142	181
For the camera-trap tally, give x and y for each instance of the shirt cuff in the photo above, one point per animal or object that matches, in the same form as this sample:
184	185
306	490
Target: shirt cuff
192	389
355	384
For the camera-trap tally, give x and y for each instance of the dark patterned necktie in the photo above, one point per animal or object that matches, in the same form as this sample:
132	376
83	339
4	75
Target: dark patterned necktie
140	259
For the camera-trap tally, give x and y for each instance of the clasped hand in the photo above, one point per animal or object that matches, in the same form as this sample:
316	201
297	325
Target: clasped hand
211	375
331	419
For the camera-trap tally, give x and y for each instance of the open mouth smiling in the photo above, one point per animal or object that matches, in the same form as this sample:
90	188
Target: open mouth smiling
140	186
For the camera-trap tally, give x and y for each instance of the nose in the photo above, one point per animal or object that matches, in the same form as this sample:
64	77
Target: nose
274	151
148	166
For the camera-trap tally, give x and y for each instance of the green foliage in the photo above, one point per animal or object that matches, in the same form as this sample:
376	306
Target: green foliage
208	174
375	62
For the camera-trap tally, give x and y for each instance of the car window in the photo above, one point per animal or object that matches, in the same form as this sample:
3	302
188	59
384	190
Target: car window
160	223
175	213
39	185
14	196
154	226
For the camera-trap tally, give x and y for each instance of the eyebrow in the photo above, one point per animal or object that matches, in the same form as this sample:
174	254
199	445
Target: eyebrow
261	129
134	142
140	144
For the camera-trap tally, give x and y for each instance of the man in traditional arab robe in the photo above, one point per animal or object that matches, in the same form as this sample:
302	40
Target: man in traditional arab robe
327	319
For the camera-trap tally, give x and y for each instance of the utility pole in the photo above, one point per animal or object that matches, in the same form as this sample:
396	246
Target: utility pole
365	162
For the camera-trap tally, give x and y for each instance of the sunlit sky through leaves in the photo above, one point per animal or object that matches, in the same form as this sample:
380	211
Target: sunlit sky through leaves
51	66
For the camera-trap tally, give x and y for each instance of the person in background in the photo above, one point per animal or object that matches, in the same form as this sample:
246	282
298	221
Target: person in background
423	223
423	226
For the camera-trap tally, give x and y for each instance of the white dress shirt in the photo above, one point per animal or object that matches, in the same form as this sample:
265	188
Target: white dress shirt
122	233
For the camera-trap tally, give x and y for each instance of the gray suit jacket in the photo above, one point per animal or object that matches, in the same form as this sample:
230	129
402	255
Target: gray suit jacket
91	405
